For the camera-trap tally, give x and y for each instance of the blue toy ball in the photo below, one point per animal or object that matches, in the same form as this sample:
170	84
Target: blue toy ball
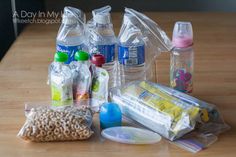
110	115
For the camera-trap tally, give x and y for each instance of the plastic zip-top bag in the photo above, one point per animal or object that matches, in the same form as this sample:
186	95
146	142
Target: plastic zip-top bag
46	124
71	34
170	113
140	41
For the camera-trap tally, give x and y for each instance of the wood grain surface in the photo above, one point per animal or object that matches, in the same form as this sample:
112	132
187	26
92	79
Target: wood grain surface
23	76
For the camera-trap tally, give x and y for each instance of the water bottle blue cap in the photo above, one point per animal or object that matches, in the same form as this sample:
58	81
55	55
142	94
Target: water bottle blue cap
110	115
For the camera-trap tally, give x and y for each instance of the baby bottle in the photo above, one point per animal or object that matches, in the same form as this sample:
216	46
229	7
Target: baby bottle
182	58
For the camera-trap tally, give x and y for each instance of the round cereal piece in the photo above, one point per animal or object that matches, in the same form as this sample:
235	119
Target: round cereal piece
81	136
49	133
41	118
66	132
57	123
74	134
48	138
51	114
51	126
77	126
86	133
56	131
60	137
66	125
43	133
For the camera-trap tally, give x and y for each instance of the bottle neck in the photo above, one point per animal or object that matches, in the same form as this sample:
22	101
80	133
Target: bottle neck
84	62
182	42
183	49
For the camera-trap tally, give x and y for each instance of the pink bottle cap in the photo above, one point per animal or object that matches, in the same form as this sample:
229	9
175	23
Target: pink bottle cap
182	34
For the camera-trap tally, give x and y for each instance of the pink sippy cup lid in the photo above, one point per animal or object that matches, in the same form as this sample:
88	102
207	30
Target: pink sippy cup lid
182	34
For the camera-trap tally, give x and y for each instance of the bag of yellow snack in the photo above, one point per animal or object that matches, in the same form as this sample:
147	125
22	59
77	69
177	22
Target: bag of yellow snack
166	111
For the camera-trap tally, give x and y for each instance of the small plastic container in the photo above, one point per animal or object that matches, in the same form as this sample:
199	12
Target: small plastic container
110	115
131	135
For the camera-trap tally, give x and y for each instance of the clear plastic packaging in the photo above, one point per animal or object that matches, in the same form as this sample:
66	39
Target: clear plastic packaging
168	112
131	135
140	40
44	124
71	34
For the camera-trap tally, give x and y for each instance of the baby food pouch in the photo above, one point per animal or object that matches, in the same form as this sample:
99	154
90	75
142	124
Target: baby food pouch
99	92
60	78
81	82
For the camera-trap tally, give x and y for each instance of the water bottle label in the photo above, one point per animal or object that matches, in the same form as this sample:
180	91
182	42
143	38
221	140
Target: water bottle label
108	51
70	50
131	55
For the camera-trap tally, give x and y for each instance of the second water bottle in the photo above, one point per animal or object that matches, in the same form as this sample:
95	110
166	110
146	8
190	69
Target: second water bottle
102	40
131	51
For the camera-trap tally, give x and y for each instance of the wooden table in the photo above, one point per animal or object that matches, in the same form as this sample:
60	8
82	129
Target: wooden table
23	75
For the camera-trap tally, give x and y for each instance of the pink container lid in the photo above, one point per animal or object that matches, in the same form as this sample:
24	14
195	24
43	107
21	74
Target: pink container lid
182	34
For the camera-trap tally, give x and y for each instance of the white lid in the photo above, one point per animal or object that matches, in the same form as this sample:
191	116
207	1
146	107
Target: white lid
130	18
69	19
131	135
103	18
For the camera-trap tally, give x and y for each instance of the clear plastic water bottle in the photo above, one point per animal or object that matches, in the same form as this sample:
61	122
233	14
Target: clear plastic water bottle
71	35
131	51
103	41
182	58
